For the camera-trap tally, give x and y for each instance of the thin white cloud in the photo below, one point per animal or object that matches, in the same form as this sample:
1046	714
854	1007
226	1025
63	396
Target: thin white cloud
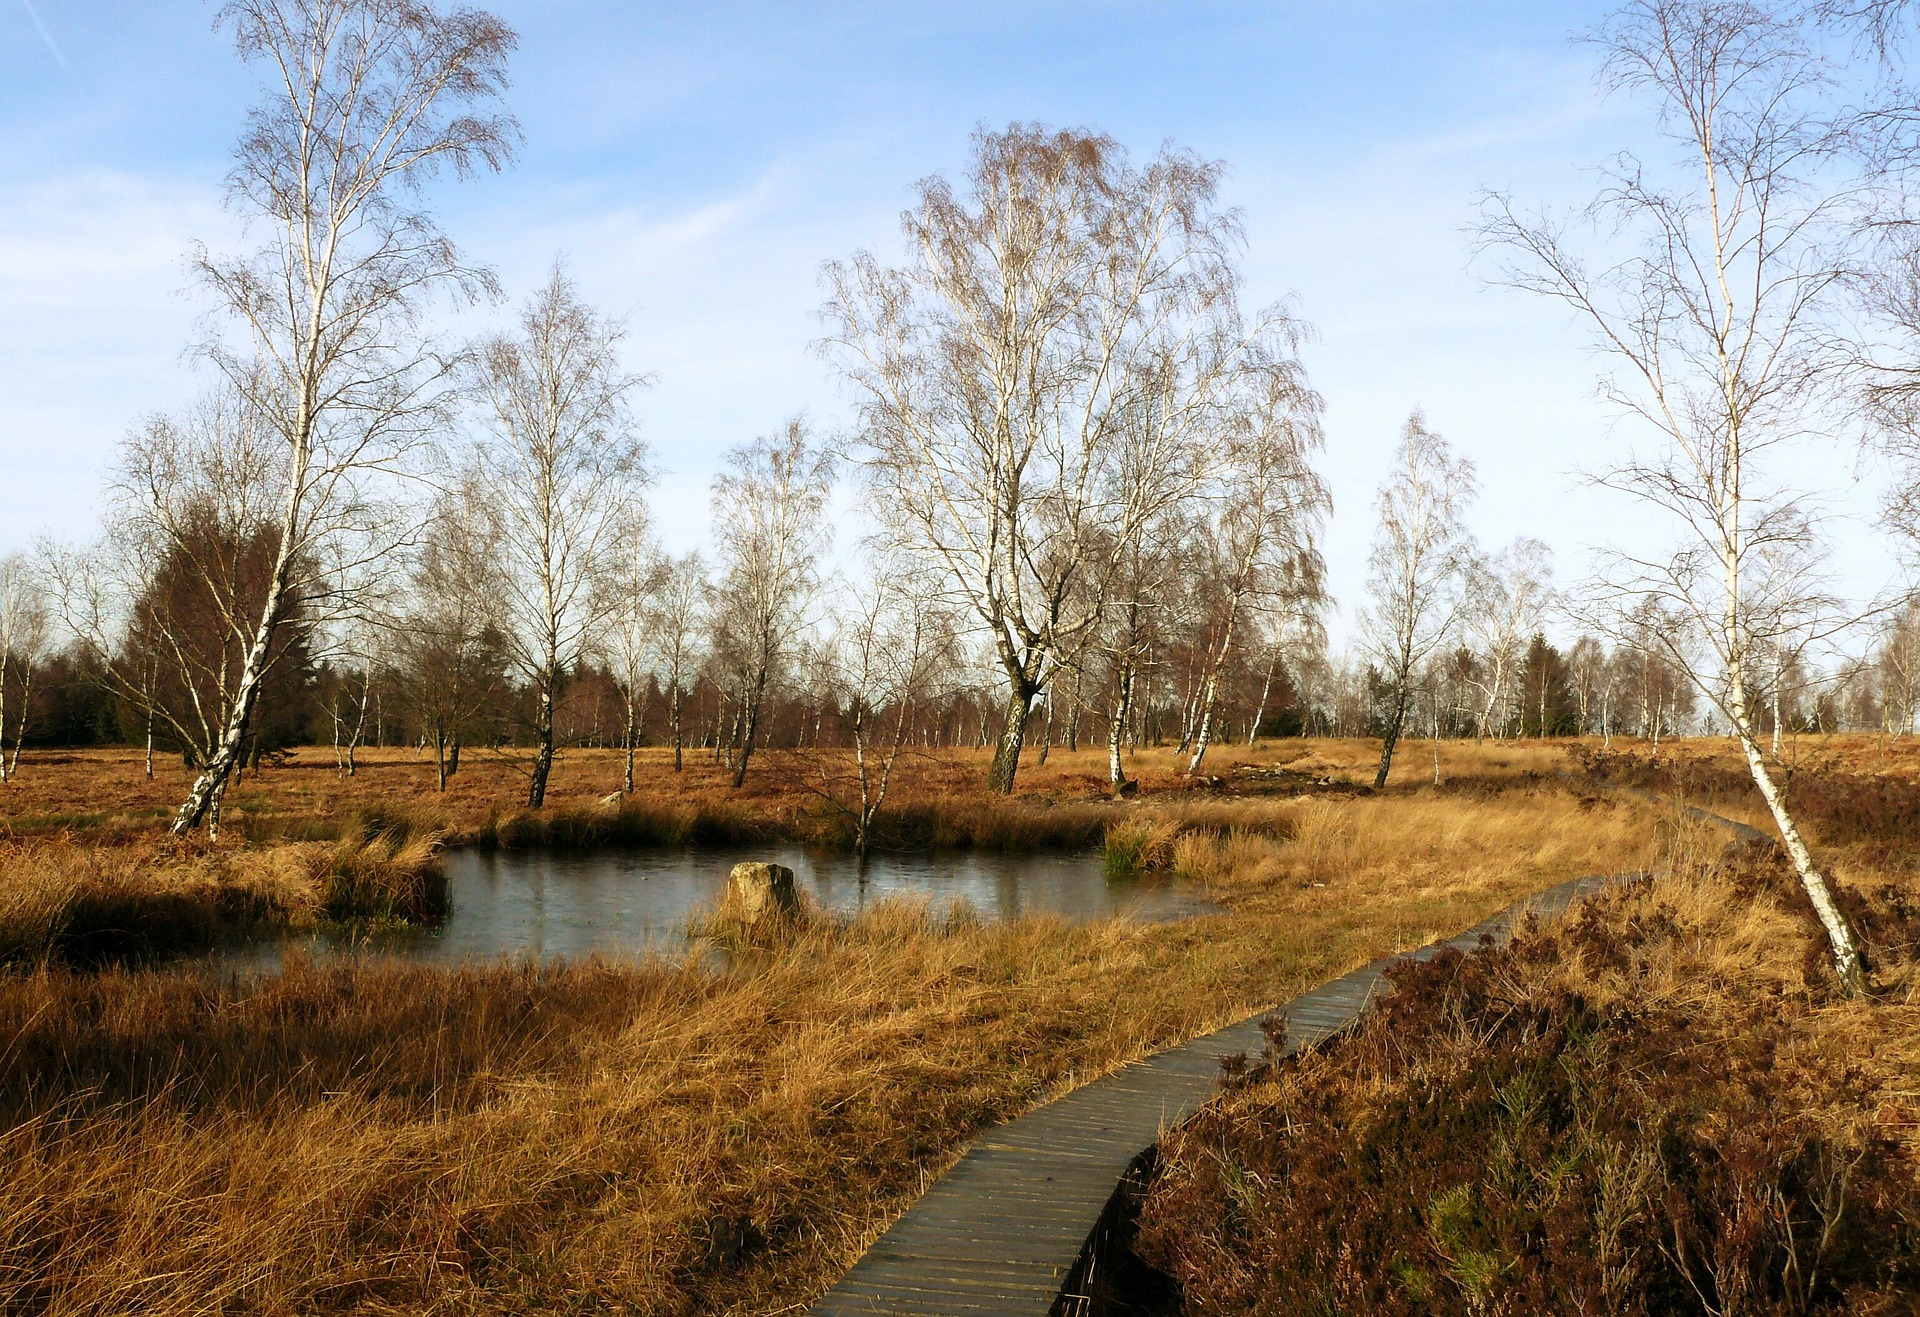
53	46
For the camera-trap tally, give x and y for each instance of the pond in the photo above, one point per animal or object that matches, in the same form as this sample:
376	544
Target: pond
564	905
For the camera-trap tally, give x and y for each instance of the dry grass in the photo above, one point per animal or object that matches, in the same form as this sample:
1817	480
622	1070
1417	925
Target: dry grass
105	791
669	1136
722	1133
147	897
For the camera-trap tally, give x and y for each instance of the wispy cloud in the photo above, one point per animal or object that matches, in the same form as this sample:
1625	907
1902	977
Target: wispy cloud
53	46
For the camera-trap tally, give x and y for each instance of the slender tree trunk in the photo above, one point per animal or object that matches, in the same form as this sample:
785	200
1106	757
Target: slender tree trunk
359	722
630	734
673	717
543	748
1392	737
1777	675
5	659
1202	734
1116	729
1013	735
201	802
440	760
752	727
19	727
1266	689
149	703
1848	964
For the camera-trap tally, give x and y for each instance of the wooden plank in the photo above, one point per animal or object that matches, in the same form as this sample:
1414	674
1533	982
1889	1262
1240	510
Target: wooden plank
1002	1230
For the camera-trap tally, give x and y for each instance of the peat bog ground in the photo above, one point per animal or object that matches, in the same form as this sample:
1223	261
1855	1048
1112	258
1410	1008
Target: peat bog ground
690	1133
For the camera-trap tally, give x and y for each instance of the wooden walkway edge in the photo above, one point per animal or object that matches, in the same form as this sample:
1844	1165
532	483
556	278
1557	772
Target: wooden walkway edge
1001	1232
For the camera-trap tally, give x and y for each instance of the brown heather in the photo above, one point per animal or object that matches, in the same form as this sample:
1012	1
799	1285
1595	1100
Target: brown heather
1658	1106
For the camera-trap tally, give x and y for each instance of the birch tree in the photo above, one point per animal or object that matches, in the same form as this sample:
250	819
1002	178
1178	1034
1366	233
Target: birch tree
770	530
675	622
889	646
1899	662
366	101
1263	518
1716	330
169	602
24	633
450	645
1036	382
1420	550
636	577
563	469
1506	603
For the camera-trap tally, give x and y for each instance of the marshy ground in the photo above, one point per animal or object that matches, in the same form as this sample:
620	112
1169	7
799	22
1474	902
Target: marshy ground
691	1134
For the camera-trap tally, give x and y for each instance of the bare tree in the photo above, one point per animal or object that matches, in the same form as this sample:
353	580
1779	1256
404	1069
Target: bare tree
563	468
1037	384
675	625
24	632
1506	603
352	695
1590	669
1135	626
637	576
770	529
451	648
1899	659
1420	550
1717	330
1264	515
170	602
886	654
368	100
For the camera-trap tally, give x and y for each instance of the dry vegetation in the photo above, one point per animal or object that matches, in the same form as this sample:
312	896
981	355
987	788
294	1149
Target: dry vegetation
1659	1106
721	1133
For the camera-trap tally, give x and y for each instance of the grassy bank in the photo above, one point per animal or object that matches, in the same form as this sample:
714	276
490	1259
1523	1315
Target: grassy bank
90	905
1659	1106
669	1136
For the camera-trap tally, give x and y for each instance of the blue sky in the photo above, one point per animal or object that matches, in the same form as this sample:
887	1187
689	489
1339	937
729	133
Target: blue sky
696	164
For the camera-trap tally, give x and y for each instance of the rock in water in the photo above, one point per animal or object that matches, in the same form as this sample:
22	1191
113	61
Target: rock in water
755	889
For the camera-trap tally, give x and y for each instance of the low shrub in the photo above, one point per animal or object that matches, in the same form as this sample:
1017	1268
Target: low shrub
1650	1109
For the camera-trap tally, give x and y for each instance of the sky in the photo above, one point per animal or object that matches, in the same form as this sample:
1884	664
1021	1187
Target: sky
695	166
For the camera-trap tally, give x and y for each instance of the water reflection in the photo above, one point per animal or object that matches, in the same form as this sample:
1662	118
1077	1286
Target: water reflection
623	902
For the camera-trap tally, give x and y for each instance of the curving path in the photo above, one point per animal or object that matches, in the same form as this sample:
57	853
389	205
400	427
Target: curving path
1002	1231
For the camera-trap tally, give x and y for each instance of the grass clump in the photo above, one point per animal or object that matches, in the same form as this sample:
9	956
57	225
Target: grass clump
1137	846
387	878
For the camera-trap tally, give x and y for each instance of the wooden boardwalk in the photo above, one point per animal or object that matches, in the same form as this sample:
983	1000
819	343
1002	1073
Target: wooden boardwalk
1002	1231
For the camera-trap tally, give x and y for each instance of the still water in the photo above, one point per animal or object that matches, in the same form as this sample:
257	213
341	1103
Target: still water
550	906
